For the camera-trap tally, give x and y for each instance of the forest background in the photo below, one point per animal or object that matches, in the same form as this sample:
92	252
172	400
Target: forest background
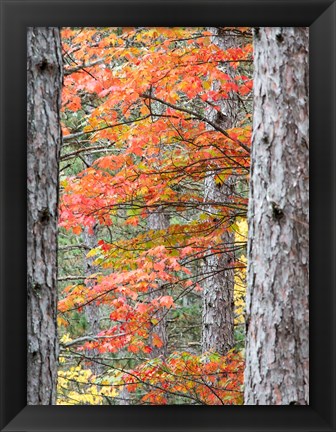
154	187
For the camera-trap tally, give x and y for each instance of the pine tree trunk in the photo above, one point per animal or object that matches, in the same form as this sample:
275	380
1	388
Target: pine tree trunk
277	350
44	80
218	303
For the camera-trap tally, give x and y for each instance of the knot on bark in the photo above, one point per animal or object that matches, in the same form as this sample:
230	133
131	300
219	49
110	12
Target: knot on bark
43	65
265	139
257	32
277	212
44	216
279	37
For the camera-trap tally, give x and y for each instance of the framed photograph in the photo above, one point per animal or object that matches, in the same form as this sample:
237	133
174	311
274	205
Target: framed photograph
141	149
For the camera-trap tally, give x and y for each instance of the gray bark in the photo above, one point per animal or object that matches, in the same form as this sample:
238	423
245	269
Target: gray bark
44	80
218	303
277	349
158	220
124	397
92	310
90	241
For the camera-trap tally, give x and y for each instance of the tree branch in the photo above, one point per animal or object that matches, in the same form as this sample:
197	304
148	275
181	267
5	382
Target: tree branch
199	117
69	71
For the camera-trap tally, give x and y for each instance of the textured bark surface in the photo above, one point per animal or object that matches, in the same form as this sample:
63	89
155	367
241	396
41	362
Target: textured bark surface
44	80
218	304
158	220
277	350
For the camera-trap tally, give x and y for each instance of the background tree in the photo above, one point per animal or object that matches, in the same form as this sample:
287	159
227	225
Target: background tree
277	350
158	220
219	188
44	80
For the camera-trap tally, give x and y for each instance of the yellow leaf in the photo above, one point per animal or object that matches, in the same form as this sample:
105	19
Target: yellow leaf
92	253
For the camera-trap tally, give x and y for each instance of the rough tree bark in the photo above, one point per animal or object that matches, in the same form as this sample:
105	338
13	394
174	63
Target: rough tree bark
277	349
158	220
218	304
44	81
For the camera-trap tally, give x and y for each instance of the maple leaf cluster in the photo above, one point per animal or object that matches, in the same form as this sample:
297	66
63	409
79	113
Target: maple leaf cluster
139	143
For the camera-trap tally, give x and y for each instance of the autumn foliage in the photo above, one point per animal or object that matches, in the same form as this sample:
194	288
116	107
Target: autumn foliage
139	141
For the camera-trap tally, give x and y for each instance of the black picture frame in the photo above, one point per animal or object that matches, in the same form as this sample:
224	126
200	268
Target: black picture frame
16	16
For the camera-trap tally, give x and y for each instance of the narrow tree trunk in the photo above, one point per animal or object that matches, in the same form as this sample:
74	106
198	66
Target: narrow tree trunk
158	220
44	80
124	397
277	349
91	310
218	304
